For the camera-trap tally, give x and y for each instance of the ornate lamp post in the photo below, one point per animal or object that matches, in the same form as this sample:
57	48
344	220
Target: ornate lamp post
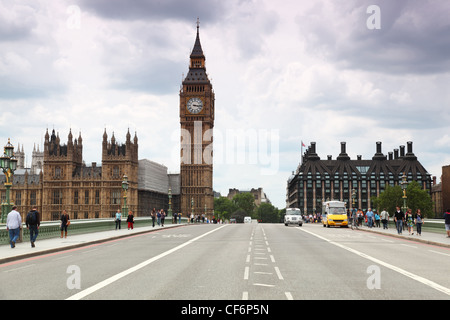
170	202
192	205
125	189
404	184
8	163
353	198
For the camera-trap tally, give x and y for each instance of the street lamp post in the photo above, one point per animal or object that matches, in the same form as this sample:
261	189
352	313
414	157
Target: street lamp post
353	198
125	189
404	186
170	202
8	163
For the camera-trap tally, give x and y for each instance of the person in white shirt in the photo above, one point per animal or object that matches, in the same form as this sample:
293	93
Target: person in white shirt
384	218
13	225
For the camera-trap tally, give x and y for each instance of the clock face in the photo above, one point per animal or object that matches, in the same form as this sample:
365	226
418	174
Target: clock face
195	105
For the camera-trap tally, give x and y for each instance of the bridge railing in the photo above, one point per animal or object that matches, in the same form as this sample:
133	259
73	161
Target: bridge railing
52	229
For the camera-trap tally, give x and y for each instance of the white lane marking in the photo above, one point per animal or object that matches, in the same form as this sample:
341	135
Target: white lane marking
263	285
289	296
245	295
246	272
141	265
20	268
445	254
425	281
277	270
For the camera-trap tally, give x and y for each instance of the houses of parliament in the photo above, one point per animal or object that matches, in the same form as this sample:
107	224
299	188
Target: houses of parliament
59	179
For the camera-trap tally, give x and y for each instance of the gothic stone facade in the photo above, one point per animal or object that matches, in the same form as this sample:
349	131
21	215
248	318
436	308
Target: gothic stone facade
197	122
66	183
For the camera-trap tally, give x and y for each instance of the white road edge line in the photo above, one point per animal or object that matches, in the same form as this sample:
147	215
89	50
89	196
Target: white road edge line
122	274
425	281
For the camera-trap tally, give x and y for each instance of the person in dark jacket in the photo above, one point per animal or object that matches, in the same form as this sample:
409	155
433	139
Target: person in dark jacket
130	220
33	222
447	222
65	221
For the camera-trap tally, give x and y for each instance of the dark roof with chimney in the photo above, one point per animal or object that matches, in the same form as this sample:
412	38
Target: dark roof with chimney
391	166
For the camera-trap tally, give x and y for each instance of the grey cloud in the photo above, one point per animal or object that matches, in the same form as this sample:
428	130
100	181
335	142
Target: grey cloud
207	10
414	37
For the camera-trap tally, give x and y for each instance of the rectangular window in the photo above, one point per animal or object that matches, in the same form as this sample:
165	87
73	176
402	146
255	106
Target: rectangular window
33	200
115	197
57	197
97	196
86	197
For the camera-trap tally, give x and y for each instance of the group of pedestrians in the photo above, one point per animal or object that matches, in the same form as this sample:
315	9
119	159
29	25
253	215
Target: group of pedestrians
32	223
402	220
159	216
408	220
118	219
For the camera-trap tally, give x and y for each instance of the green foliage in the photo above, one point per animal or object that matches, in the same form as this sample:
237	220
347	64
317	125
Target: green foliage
389	199
266	212
243	205
223	208
417	198
246	202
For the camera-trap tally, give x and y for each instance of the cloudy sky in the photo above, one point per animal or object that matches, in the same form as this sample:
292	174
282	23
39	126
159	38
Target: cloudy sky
283	71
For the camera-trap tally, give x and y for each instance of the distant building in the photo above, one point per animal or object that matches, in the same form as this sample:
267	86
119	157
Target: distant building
153	186
317	180
436	197
258	194
445	181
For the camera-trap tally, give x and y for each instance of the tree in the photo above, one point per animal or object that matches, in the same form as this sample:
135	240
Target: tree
417	198
223	208
239	215
246	202
267	213
389	199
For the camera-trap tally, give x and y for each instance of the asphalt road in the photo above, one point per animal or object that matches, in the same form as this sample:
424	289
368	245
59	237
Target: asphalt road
236	262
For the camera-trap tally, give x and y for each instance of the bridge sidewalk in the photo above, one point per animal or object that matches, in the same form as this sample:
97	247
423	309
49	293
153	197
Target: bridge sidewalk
24	250
435	238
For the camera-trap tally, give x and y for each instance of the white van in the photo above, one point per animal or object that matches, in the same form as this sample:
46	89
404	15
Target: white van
293	216
247	219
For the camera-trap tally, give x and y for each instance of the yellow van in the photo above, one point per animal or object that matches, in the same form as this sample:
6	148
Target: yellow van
334	214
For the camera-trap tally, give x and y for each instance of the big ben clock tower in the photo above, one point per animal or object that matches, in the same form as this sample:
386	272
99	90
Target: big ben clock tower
197	122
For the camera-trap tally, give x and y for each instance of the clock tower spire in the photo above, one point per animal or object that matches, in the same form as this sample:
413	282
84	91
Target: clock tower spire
197	122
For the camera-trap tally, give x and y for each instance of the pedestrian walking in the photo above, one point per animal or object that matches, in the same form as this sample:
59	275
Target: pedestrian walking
13	225
153	215
409	220
130	220
118	219
377	219
384	216
370	216
65	222
399	216
418	220
32	222
158	217
354	218
163	216
174	218
447	222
